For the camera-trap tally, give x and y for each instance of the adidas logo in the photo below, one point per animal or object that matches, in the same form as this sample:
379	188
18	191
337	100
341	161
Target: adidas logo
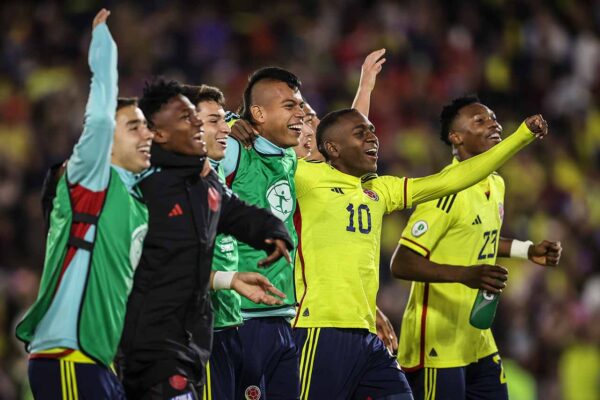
176	211
433	353
306	313
337	190
477	221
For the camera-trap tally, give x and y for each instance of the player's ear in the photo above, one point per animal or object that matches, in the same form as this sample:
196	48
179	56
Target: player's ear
160	136
258	114
455	138
332	149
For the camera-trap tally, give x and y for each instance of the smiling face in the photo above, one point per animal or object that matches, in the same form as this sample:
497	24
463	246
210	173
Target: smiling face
278	112
178	129
352	145
474	130
306	142
131	146
216	130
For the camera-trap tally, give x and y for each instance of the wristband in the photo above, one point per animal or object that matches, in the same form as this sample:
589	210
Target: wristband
519	249
222	279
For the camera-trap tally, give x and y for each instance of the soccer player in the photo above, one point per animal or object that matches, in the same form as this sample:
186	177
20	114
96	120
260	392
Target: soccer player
168	326
72	331
224	367
341	204
449	248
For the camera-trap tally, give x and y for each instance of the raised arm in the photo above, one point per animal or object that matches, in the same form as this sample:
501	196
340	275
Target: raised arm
468	172
368	76
546	253
89	165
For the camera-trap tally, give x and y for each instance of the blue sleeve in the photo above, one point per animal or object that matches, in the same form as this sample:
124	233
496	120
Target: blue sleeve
229	163
89	165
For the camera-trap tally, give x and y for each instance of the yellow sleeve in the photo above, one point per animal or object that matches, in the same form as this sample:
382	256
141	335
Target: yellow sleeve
307	176
466	173
426	226
396	192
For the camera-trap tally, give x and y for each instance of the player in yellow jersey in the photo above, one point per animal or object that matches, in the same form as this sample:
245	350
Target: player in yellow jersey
443	355
340	206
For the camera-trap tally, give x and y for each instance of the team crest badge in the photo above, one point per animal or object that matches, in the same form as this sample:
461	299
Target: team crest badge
419	228
252	393
371	194
501	211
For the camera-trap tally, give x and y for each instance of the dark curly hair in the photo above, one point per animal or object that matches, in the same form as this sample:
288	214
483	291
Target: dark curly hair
449	113
267	73
156	94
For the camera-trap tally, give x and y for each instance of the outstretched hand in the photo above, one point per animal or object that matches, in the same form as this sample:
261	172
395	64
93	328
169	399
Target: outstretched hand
545	253
244	132
100	18
279	251
538	125
488	277
370	68
257	288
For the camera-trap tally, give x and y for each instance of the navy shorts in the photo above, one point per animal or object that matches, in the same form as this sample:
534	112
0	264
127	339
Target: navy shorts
483	379
59	379
270	360
225	365
348	364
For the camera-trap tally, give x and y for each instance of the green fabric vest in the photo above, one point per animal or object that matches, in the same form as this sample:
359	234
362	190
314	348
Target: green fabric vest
226	303
120	233
267	181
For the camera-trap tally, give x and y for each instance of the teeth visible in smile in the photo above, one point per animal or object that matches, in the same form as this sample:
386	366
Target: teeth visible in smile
371	152
295	126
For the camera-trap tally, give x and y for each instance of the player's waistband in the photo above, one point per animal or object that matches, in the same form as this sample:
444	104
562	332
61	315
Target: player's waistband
61	353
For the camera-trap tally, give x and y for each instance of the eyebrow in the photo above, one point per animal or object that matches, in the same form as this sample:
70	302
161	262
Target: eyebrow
134	121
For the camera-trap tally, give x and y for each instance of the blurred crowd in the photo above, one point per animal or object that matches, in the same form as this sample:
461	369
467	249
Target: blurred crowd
520	57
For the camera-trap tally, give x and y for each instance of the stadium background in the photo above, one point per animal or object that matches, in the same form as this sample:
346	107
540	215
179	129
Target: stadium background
521	57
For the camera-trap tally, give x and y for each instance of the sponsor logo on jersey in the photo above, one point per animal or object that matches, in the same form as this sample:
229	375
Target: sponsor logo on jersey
371	194
419	228
252	393
306	313
280	199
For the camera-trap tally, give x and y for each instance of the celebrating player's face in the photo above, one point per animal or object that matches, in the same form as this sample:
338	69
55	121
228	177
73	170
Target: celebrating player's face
305	146
131	147
280	113
178	128
476	130
354	145
311	118
216	130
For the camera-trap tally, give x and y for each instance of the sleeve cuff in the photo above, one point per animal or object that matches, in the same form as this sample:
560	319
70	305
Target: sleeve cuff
416	247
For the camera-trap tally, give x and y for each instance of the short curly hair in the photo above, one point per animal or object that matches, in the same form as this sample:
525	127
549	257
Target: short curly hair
156	94
449	113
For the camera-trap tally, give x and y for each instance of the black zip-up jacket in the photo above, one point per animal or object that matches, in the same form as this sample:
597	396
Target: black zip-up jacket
168	326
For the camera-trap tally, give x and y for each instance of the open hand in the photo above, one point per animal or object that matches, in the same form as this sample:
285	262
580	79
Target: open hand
545	253
257	288
100	18
370	68
538	125
279	251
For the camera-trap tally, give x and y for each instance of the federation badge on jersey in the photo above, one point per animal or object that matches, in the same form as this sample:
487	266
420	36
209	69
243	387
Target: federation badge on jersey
252	393
280	199
419	228
371	194
501	211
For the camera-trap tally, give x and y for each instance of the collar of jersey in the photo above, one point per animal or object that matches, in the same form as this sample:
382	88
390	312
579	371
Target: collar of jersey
264	146
128	178
213	163
354	180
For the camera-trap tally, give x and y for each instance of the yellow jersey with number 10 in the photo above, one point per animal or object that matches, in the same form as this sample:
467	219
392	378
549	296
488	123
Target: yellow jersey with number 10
338	219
